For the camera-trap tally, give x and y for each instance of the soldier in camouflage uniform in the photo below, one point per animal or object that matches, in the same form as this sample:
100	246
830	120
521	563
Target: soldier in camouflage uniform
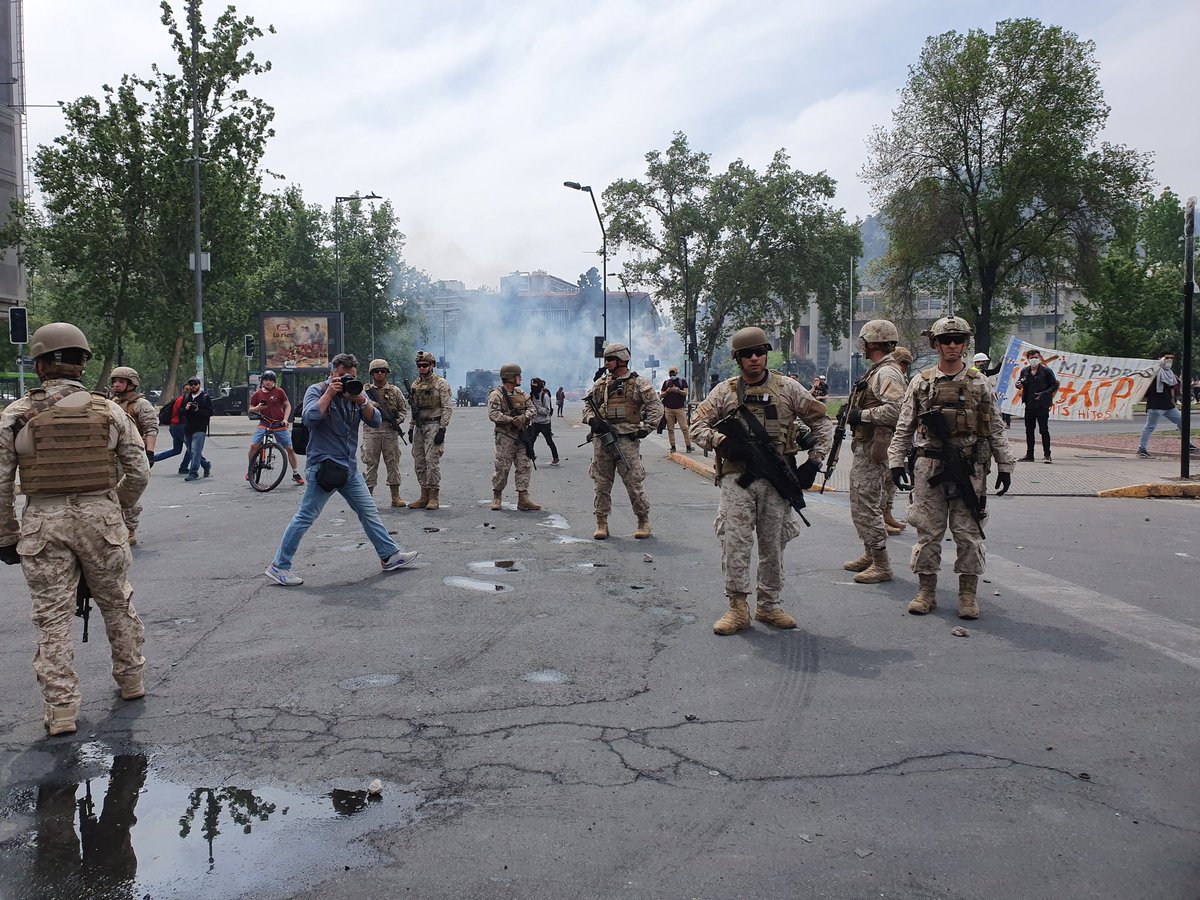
785	409
384	440
511	410
904	357
81	463
432	408
125	383
959	393
631	407
874	405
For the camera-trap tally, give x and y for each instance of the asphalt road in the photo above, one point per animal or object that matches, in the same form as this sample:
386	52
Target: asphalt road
584	733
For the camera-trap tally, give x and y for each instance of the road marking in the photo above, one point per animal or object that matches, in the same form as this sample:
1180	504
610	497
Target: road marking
1179	641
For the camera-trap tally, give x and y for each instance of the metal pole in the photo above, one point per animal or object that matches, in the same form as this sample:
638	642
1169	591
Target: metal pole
604	253
1056	315
1189	297
198	324
850	329
337	259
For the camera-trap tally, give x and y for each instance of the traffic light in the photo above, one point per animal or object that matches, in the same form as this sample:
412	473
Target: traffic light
250	348
599	346
18	325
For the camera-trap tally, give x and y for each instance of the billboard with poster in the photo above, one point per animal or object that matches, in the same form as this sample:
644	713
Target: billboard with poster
299	341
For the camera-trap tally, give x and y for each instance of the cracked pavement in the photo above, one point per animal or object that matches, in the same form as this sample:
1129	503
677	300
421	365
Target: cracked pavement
867	753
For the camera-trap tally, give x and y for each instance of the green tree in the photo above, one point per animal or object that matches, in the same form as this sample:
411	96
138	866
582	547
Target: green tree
992	175
733	249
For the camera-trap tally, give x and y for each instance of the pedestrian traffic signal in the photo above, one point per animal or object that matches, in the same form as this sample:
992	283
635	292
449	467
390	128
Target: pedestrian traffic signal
250	348
18	325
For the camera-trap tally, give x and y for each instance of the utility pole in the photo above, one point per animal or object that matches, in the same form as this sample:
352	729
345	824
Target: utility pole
197	265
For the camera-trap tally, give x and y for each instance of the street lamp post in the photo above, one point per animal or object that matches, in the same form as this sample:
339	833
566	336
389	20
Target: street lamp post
337	266
576	186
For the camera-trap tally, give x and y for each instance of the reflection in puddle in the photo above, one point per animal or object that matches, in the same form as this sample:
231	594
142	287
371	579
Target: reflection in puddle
117	829
497	566
474	584
554	520
546	676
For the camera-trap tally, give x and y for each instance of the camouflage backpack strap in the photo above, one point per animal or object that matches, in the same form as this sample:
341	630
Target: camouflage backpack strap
41	400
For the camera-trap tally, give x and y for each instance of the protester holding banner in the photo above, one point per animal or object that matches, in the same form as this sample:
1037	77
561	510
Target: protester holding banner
1161	397
1038	387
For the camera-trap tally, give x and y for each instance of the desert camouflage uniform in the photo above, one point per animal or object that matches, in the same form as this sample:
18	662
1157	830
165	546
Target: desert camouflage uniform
62	535
931	509
384	440
510	453
641	408
879	396
758	508
432	408
145	419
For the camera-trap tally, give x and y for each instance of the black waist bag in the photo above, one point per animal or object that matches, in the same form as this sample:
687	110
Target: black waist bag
332	475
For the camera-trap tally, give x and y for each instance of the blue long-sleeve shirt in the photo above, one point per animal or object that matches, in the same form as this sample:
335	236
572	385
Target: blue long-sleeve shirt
334	435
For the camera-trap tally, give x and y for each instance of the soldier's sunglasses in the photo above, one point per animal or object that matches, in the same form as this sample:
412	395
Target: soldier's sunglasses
424	365
945	339
612	359
384	371
754	351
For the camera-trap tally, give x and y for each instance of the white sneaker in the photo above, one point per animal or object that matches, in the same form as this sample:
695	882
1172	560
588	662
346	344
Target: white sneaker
283	576
398	560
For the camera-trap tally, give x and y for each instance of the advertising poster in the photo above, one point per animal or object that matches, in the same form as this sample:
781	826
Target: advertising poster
298	341
1090	388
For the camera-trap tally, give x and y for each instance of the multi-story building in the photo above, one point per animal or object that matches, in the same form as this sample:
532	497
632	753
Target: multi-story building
12	143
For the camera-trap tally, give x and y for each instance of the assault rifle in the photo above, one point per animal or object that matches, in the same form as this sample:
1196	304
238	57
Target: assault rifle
956	466
608	436
524	437
388	418
839	434
761	456
83	603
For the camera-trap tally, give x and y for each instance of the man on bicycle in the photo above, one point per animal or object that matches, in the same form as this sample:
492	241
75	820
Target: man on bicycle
274	415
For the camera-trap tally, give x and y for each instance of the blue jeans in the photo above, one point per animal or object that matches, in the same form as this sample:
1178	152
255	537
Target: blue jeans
178	445
196	453
1153	417
355	493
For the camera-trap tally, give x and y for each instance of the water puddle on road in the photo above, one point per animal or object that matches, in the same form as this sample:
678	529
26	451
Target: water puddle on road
554	520
113	826
547	676
474	584
497	566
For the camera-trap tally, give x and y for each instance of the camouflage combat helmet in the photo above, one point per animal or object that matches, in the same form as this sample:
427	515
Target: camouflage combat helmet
948	325
426	356
379	364
509	370
879	331
58	336
902	355
620	351
747	338
128	373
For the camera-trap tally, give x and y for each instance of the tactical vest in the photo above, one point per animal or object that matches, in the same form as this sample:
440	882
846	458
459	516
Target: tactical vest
71	453
520	403
862	397
963	404
427	398
763	401
622	402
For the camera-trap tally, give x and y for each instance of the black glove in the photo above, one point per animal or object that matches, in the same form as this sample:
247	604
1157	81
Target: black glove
150	458
642	432
807	474
855	418
10	555
599	426
900	479
439	437
1003	483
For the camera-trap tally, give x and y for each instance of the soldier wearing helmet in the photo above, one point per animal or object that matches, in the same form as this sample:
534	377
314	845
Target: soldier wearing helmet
124	383
511	410
81	463
790	416
958	394
431	411
872	409
385	440
624	404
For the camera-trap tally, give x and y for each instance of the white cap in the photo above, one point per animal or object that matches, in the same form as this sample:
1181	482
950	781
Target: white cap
981	357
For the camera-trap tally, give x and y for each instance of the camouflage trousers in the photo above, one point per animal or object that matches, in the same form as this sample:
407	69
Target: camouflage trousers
930	511
378	442
678	417
132	516
511	455
603	472
866	497
59	540
427	456
745	512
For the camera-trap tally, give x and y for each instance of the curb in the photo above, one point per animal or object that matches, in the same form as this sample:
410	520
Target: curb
1158	490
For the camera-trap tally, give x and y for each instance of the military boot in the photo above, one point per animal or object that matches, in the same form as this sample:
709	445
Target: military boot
879	570
132	687
497	499
423	502
601	532
643	529
432	502
132	537
892	525
524	504
396	501
60	719
774	616
926	600
861	564
968	605
737	619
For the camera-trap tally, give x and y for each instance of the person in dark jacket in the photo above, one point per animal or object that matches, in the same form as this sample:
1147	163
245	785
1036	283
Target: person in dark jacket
197	410
1161	397
1038	387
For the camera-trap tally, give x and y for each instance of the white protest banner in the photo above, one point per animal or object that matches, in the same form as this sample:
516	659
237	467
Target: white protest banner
1089	387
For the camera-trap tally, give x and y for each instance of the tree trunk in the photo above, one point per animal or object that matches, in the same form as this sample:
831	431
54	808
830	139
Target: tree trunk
102	381
169	391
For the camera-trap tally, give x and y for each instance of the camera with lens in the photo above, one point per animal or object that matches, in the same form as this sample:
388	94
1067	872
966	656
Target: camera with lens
351	386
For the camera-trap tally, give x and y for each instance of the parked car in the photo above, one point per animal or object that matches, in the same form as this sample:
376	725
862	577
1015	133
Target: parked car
234	403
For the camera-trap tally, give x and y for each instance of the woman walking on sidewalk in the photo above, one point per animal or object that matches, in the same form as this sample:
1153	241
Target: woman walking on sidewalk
1161	397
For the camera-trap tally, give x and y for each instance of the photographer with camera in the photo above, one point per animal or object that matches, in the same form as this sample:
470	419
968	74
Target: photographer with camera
197	410
332	412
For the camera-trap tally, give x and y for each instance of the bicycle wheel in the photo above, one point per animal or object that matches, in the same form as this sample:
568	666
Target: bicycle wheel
269	467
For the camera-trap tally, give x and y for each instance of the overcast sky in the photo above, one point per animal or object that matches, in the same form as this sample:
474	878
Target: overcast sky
468	116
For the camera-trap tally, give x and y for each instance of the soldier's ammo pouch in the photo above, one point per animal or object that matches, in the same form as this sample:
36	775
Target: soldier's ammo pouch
425	397
880	439
71	453
622	404
962	404
763	401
